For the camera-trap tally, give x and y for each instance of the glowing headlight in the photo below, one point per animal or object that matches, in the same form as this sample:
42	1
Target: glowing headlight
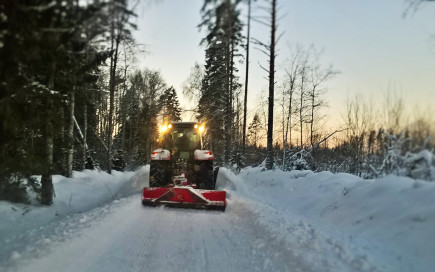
170	126
163	128
201	129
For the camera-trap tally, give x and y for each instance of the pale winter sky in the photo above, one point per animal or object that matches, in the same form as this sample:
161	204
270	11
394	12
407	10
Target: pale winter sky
374	46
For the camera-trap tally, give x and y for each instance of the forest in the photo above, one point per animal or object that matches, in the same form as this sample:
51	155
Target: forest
71	99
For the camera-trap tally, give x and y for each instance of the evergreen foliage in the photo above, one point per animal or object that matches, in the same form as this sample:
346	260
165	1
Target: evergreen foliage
254	130
169	104
49	71
216	106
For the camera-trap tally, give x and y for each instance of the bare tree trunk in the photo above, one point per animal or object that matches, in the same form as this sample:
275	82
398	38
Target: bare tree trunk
292	80
85	135
111	91
313	96
238	119
283	126
63	157
111	101
109	134
100	119
269	160
114	61
70	134
232	94
288	129
228	88
47	189
301	104
246	78
123	110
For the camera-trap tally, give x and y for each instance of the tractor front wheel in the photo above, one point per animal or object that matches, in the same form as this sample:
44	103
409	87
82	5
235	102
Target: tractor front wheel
206	175
159	173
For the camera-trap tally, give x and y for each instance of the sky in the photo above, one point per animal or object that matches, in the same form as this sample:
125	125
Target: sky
372	43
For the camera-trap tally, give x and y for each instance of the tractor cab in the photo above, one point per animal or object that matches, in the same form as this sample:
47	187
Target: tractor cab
181	137
180	158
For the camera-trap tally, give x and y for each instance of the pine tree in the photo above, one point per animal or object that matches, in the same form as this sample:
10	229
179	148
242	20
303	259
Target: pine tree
253	130
216	107
39	84
170	105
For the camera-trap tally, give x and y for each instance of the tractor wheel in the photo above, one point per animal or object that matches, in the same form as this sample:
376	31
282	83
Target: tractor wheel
159	174
215	174
206	176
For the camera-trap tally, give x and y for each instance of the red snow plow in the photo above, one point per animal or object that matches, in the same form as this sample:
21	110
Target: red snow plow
184	197
181	171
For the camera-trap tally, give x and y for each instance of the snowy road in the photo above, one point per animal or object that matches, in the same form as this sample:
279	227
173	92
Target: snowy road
128	237
125	236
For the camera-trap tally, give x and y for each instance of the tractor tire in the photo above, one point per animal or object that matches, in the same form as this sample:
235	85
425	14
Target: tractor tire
159	173
215	174
206	175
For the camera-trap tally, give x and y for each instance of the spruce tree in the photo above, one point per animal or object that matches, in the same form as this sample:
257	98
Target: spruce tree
216	107
169	104
37	85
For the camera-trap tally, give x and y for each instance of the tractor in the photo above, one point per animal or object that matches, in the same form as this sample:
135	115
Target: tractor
181	170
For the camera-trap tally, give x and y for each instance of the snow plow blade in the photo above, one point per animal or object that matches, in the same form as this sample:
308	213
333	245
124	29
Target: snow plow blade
184	197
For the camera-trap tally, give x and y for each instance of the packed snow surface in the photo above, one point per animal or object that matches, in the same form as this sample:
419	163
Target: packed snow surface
275	221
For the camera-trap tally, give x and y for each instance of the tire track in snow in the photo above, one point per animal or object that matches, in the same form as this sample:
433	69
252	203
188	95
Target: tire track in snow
147	239
268	252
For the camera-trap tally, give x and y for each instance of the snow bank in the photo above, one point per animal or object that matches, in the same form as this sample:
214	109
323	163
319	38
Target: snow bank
87	189
390	221
84	191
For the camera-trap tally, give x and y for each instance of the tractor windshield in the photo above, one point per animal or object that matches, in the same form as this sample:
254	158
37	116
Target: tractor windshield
185	139
182	138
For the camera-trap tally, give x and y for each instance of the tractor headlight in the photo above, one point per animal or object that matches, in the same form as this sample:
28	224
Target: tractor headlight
201	129
163	128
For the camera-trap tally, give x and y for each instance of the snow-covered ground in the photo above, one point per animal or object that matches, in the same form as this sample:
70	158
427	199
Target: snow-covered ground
84	191
387	224
275	221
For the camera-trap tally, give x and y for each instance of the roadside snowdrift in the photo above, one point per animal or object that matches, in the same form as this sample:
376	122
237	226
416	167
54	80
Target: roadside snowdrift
84	191
390	221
